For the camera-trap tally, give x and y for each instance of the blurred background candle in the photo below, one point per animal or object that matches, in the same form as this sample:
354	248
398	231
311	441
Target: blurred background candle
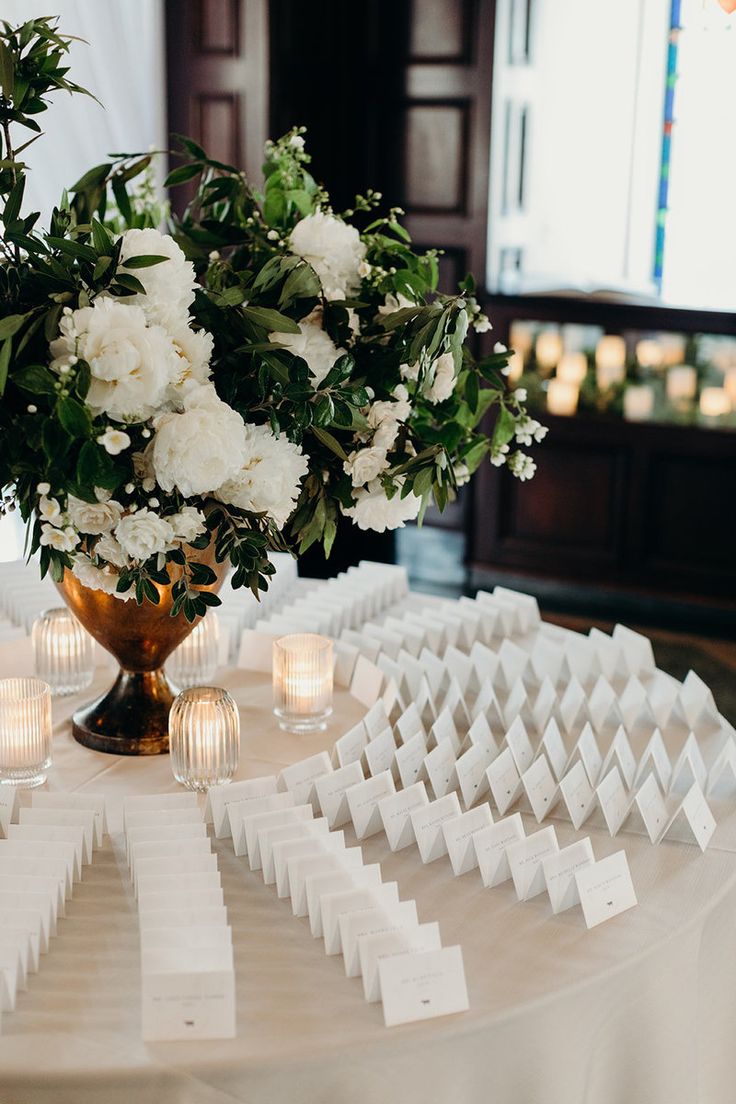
682	383
610	361
729	386
714	402
204	737
25	731
649	353
572	367
302	681
196	659
638	402
521	338
548	350
516	366
63	651
562	397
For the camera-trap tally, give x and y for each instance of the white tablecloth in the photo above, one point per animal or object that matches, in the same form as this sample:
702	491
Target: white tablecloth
641	1010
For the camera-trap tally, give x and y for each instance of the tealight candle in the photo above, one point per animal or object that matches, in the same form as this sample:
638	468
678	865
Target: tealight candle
25	731
729	385
638	402
204	737
649	353
548	349
610	361
714	402
302	681
196	659
521	338
573	367
516	366
682	383
63	651
562	397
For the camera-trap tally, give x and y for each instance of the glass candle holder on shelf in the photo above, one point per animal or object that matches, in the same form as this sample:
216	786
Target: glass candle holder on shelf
638	402
610	361
572	368
548	350
63	651
562	397
196	659
714	402
302	681
729	385
682	383
649	353
204	737
25	731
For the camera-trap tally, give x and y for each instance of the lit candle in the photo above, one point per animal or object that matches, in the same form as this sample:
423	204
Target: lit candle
516	366
714	402
63	651
548	350
729	385
610	361
25	731
573	367
638	402
196	659
302	681
562	397
649	353
521	338
204	737
682	383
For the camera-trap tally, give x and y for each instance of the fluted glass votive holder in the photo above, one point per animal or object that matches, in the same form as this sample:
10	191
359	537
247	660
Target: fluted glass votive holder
196	659
302	681
25	731
63	651
204	737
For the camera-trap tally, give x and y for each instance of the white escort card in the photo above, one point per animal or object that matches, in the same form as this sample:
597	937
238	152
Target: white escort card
363	801
578	794
46	799
372	949
490	849
559	870
331	791
219	797
376	921
303	867
410	760
254	822
470	770
8	806
282	833
428	821
614	800
333	905
350	746
504	781
541	789
440	766
318	886
81	818
299	778
420	985
605	889
395	811
238	811
285	850
459	833
380	753
70	834
525	862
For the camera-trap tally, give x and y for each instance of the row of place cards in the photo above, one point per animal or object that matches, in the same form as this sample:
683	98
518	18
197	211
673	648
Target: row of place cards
43	851
346	903
187	971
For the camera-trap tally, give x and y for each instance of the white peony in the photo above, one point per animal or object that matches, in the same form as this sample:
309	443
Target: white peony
94	517
365	464
143	534
131	363
372	510
61	540
98	578
443	379
110	549
200	449
312	344
194	349
333	249
270	475
188	524
169	285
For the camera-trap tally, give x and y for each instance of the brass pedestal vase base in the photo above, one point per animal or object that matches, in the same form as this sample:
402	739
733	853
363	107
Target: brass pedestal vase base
132	718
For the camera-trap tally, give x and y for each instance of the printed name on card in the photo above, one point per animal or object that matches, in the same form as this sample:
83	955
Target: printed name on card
459	833
373	948
333	905
317	886
219	797
420	985
363	800
396	810
377	921
541	788
525	862
350	746
578	794
490	849
331	789
299	778
237	812
302	867
410	760
470	769
560	870
428	824
504	780
605	889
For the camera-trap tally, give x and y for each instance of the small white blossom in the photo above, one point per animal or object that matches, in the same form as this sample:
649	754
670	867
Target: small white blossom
520	394
272	235
99	578
522	466
114	441
62	540
43	488
443	379
529	430
481	323
32	408
50	511
498	456
499	348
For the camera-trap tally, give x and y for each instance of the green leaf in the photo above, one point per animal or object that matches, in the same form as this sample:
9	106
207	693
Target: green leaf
182	174
122	199
504	428
7	71
130	283
5	352
301	283
271	320
74	417
11	324
101	267
144	261
102	239
14	200
36	379
92	179
329	441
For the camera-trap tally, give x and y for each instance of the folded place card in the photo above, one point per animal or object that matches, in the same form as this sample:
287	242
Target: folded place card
254	823
444	728
655	759
424	702
349	748
81	818
171	867
239	811
409	724
395	811
722	775
614	800
410	760
15	898
487	705
302	867
540	787
134	803
459	833
317	886
192	938
219	797
377	921
35	849
333	905
520	745
376	719
163	849
605	889
695	816
299	778
64	833
419	985
374	948
185	996
331	789
559	871
28	921
428	822
180	882
367	682
284	850
8	806
514	661
363	800
637	649
48	799
440	767
578	794
689	766
696	701
490	848
517	707
182	916
525	862
454	703
504	780
544	705
603	706
586	748
470	769
296	830
380	753
620	754
480	735
36	875
573	708
14	941
163	832
553	747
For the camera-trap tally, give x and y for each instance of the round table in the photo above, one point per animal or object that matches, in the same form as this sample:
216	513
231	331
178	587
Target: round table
641	1010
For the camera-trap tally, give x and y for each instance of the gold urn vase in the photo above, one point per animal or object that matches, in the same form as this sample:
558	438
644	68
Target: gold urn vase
132	718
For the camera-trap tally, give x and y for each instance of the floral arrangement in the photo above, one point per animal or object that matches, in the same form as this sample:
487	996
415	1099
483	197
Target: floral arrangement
249	381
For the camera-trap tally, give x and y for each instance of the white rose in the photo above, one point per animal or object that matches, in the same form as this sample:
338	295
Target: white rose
312	344
444	379
94	517
131	363
365	464
270	475
410	371
188	524
98	578
62	540
200	449
109	549
169	285
143	534
372	510
385	436
333	249
386	410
